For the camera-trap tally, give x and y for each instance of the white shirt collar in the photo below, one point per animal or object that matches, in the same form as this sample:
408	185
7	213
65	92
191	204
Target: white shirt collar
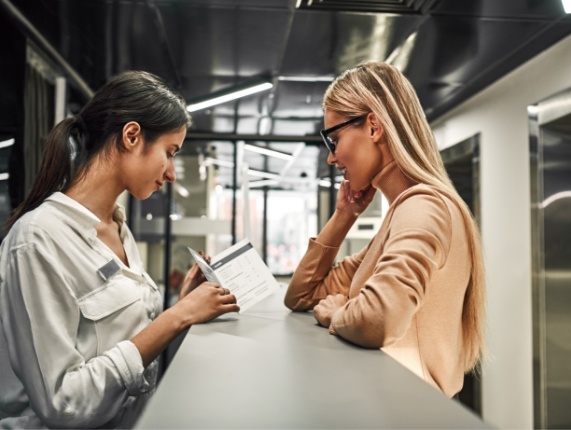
81	213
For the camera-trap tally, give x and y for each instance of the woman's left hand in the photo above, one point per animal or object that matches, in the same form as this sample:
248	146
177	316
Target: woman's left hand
354	202
325	309
194	277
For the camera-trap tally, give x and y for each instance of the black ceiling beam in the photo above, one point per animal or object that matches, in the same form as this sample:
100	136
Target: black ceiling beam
32	33
167	51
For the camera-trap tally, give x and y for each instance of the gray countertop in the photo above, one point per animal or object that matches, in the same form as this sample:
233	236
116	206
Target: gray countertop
273	369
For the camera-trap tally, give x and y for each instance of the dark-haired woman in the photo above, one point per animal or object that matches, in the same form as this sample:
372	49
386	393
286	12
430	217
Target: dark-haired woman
81	326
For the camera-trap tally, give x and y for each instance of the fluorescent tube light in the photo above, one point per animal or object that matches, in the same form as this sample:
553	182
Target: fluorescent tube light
4	176
209	160
267	151
229	95
262	174
251	172
306	78
7	143
566	5
263	183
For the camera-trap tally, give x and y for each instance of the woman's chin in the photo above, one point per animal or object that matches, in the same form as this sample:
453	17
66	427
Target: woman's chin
359	188
142	195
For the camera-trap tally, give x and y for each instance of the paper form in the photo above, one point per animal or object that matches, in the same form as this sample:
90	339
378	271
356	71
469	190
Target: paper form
240	269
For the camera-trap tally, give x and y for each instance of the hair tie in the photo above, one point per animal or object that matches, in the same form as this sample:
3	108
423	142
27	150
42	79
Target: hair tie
74	150
77	139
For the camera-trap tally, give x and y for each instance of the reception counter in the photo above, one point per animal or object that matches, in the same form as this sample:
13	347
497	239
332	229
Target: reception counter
269	368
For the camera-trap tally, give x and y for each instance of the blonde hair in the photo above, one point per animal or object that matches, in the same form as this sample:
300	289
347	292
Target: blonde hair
383	90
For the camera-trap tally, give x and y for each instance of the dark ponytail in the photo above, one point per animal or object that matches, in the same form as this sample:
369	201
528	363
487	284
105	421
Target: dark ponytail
72	144
55	169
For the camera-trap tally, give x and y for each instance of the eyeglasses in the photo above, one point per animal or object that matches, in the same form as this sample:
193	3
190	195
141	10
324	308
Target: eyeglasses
325	133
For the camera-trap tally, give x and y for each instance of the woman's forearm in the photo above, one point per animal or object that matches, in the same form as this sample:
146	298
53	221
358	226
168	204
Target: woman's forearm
336	229
202	304
153	339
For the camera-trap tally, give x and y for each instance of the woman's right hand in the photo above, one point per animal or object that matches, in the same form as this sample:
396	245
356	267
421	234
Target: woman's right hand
206	302
353	202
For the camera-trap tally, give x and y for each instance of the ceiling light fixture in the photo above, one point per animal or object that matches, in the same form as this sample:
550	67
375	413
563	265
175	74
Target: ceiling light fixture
230	94
214	161
262	174
263	183
4	176
7	143
566	5
267	151
306	78
251	172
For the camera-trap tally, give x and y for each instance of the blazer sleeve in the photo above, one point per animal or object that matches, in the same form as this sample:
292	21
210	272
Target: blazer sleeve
316	277
419	237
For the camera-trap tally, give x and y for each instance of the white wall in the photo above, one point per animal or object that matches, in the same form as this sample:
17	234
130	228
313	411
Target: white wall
499	114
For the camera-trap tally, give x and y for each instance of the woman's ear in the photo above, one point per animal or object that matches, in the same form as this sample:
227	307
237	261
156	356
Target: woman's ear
132	136
376	129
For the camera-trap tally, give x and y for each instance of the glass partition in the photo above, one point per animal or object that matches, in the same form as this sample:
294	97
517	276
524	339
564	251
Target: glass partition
226	191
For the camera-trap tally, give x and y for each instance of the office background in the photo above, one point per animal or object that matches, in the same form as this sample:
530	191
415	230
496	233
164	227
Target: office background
488	75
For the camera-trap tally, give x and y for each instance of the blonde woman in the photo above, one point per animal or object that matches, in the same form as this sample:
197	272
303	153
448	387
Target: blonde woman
417	289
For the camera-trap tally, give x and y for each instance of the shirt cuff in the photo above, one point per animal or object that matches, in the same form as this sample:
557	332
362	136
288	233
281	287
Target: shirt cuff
129	363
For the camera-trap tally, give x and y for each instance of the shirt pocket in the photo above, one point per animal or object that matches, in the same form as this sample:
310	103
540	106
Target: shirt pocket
113	313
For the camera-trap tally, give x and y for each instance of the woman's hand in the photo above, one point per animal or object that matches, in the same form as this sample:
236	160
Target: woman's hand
203	303
325	309
194	277
206	302
354	202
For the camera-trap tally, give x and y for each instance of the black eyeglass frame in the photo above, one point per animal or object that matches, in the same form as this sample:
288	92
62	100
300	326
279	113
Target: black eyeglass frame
325	132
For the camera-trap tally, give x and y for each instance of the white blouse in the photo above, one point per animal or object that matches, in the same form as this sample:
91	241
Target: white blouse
66	316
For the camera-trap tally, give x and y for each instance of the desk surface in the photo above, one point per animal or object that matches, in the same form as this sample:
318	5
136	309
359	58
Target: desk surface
271	368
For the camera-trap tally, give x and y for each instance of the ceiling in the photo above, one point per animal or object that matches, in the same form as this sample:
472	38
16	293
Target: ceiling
449	49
